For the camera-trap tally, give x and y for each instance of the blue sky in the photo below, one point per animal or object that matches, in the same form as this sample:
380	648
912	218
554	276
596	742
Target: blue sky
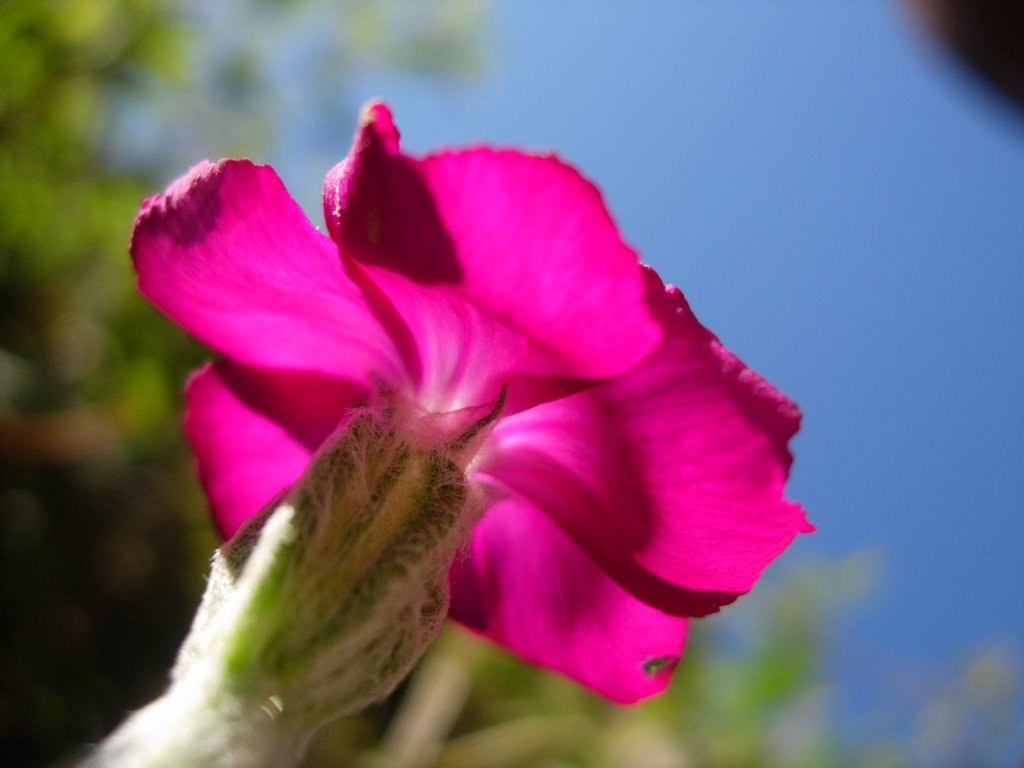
844	208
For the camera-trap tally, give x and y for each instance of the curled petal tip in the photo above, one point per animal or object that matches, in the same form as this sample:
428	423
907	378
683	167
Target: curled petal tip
375	140
376	118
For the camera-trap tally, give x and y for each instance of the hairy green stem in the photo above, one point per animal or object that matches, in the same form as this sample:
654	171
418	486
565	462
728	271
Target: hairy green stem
321	604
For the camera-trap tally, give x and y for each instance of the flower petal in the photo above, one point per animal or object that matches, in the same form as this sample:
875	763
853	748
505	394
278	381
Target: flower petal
670	476
230	256
463	355
253	432
523	237
527	586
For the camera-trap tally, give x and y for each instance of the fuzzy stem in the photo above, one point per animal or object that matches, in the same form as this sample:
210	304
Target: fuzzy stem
321	604
197	723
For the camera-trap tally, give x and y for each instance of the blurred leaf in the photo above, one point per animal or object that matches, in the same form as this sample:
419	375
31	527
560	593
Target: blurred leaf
104	531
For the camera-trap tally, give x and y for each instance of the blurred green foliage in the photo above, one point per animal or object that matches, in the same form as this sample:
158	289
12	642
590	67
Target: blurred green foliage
104	536
748	693
97	500
103	531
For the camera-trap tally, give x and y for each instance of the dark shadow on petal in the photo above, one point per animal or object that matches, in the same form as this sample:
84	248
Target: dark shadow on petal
468	603
188	211
384	310
388	217
527	390
532	475
309	406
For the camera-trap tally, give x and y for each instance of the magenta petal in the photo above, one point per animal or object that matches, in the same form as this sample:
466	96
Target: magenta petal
636	469
670	476
527	586
523	237
464	355
231	257
253	432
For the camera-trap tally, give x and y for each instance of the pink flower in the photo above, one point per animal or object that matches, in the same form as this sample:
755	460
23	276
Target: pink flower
636	473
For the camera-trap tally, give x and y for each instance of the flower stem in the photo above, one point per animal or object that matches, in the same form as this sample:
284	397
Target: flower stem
318	606
194	724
